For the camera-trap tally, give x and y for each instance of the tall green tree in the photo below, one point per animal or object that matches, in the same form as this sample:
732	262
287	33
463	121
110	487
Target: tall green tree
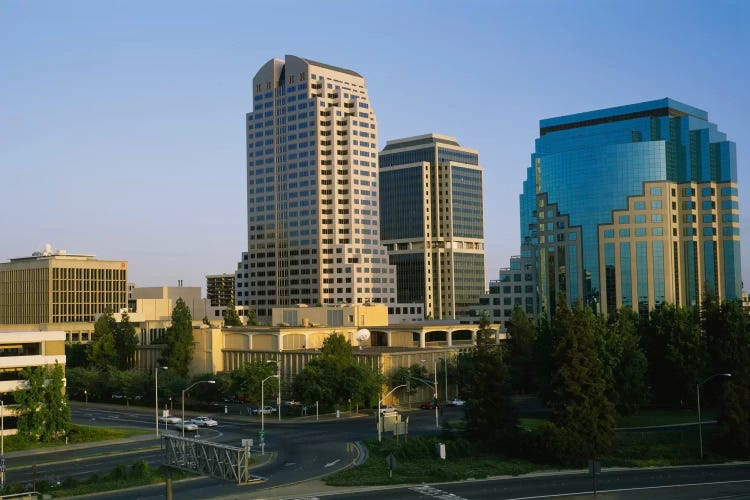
727	345
103	353
491	417
125	342
231	318
584	416
338	348
44	413
671	340
521	351
178	352
623	361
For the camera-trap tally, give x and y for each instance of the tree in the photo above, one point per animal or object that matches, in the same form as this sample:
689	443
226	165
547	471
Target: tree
671	340
44	414
179	349
338	348
76	355
103	354
231	318
623	361
247	380
520	351
335	377
125	342
490	415
252	318
582	413
727	346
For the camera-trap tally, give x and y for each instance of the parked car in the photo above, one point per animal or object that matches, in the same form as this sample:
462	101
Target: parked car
429	405
455	402
265	410
387	408
187	425
204	422
171	419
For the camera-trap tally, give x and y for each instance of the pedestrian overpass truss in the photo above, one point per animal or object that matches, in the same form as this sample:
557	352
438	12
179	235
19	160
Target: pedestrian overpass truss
219	461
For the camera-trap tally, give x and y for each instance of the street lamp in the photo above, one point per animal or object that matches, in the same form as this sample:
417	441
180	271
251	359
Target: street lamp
380	424
435	390
183	399
698	392
278	374
262	415
86	397
156	395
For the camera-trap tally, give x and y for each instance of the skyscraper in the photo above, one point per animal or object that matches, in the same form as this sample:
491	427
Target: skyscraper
432	222
312	189
633	206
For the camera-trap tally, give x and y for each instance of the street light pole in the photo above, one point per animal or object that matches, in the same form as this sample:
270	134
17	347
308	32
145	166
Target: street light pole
434	370
445	362
262	414
379	415
156	395
278	374
183	399
698	393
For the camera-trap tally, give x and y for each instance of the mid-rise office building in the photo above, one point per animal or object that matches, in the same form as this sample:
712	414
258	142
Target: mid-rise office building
312	190
633	206
431	220
515	287
56	290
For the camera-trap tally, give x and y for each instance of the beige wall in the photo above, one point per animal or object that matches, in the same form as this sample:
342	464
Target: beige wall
353	315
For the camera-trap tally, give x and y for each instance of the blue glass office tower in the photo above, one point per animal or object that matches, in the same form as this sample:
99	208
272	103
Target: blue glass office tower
652	171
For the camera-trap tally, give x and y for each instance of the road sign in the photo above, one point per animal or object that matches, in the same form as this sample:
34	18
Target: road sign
247	443
262	434
390	460
2	463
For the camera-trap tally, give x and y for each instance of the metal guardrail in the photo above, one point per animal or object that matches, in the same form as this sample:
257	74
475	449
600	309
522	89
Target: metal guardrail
209	459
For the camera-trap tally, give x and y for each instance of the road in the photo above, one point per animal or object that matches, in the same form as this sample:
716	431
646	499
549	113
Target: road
705	482
303	451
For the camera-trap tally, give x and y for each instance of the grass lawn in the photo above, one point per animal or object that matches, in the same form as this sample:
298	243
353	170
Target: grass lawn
417	462
646	418
78	434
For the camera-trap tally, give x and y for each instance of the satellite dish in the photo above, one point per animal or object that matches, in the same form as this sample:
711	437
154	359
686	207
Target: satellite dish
363	335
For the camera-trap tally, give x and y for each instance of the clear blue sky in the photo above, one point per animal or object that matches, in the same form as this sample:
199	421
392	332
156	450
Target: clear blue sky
122	123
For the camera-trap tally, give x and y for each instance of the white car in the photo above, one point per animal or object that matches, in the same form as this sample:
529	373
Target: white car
455	402
171	419
204	422
187	425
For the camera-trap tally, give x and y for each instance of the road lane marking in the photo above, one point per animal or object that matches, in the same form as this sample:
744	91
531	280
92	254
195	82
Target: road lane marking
435	493
331	464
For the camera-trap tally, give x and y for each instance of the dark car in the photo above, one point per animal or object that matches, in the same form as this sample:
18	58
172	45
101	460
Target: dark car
429	405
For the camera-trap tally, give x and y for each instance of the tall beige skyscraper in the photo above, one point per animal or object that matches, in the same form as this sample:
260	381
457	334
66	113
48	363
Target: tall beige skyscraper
312	190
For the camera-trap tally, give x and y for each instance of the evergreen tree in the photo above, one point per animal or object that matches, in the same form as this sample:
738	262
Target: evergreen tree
624	362
543	363
490	415
727	345
125	343
252	318
178	352
102	353
520	351
582	413
231	318
671	340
